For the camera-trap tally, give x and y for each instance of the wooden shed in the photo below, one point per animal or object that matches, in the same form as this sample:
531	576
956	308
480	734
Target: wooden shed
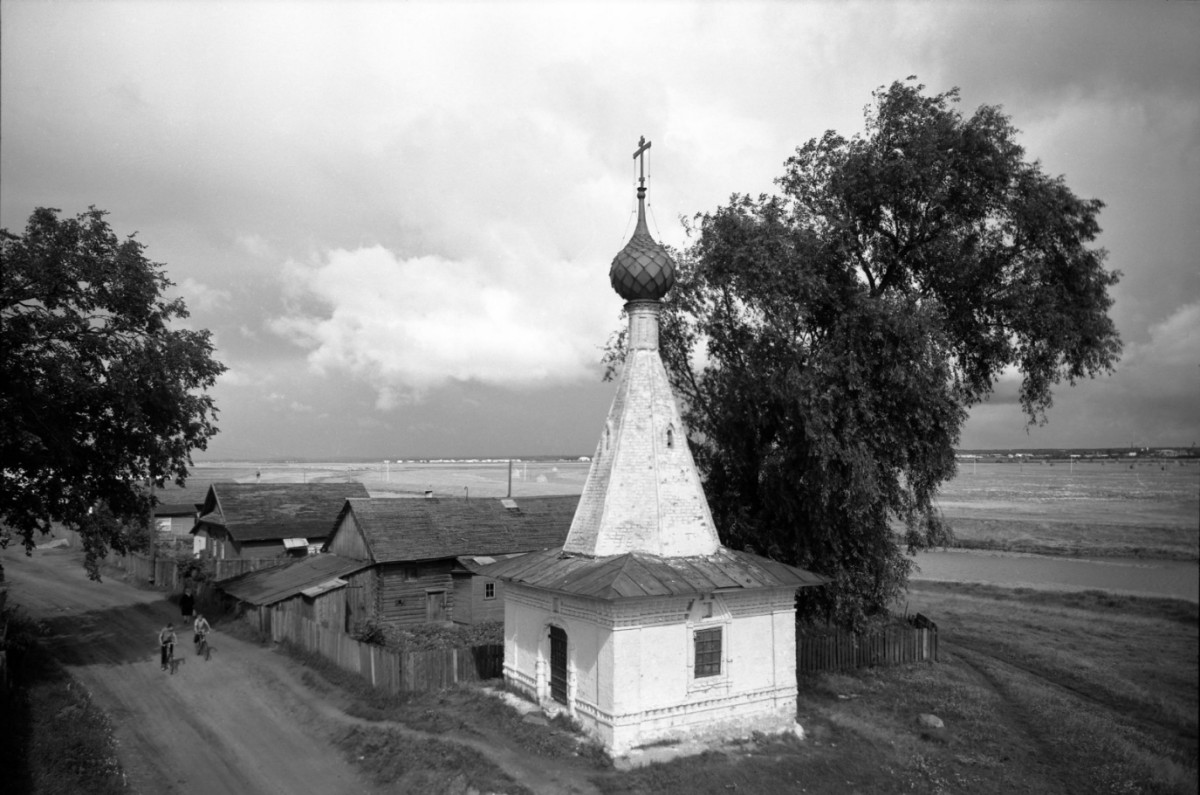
416	547
317	587
265	520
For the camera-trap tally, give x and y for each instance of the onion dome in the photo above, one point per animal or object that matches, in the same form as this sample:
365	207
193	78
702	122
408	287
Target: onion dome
643	270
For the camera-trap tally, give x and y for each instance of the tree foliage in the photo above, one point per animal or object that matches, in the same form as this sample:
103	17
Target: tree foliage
99	393
827	341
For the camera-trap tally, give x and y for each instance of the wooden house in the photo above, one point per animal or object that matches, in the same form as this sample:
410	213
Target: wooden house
175	518
253	520
419	552
312	587
176	507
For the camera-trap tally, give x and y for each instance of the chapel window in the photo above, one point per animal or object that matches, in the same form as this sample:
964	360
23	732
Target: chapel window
708	652
670	439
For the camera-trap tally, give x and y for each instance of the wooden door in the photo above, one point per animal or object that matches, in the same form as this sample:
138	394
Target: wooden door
558	664
435	606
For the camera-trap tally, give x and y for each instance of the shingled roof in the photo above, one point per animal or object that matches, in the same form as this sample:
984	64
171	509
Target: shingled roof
396	530
635	574
269	511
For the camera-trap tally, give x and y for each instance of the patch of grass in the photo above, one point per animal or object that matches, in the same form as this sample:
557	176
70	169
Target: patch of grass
53	739
465	709
420	765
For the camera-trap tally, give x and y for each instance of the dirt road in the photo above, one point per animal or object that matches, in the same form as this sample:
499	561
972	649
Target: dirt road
240	723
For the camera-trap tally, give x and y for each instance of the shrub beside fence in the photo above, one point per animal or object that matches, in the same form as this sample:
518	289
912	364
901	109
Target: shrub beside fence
391	671
839	650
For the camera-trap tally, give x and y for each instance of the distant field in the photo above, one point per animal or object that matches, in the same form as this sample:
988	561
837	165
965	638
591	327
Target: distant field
1146	508
457	479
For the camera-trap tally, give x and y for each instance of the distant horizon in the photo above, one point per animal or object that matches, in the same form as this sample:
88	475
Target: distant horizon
544	458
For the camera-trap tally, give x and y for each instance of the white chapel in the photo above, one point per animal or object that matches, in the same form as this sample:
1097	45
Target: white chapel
642	626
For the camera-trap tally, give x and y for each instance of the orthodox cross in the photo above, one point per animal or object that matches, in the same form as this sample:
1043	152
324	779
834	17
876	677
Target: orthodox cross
643	145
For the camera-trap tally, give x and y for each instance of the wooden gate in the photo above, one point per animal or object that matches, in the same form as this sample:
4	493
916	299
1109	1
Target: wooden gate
558	664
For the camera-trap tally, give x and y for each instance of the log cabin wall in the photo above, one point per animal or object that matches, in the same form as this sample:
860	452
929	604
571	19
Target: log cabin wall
362	600
405	590
348	540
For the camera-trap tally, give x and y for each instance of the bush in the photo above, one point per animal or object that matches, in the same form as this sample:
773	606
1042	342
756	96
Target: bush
371	630
195	569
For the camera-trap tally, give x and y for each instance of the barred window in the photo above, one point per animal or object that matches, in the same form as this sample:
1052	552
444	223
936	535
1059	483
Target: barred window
708	652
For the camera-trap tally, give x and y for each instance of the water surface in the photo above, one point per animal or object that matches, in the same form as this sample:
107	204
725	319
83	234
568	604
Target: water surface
1174	578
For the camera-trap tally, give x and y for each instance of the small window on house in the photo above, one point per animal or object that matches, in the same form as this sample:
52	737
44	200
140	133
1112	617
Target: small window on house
489	590
708	652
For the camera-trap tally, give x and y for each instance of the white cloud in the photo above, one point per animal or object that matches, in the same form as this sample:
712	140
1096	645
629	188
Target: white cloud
409	325
1173	349
235	377
255	245
199	296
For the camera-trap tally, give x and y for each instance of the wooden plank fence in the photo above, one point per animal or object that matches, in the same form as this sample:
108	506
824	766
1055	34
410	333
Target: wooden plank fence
391	671
164	573
838	650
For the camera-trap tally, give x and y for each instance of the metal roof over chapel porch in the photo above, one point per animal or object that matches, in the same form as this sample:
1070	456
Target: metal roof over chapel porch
634	575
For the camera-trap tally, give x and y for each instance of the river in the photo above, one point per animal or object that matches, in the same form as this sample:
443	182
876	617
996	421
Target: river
1144	577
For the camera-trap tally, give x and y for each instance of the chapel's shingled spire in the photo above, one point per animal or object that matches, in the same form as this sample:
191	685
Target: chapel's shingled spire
643	492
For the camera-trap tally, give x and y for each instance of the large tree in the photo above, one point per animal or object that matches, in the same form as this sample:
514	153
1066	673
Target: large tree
100	394
827	342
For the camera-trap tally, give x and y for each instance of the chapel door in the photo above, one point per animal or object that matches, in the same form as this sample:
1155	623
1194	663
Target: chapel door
558	664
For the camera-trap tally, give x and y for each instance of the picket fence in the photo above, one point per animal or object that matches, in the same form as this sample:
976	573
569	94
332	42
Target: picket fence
838	650
391	671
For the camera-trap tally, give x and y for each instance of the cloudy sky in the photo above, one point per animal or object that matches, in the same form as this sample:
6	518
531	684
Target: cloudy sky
397	218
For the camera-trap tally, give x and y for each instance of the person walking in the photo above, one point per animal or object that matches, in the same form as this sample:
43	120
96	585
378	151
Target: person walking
187	603
166	642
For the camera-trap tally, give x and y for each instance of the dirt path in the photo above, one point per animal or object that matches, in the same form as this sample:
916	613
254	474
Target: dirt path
242	723
236	724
